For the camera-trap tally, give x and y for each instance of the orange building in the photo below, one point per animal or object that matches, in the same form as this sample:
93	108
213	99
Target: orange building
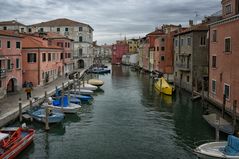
42	62
224	46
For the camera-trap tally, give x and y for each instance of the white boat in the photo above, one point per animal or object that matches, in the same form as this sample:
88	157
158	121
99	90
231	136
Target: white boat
87	86
214	150
81	91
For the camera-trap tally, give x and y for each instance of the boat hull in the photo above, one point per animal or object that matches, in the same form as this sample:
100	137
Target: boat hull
74	108
40	116
162	86
96	82
19	147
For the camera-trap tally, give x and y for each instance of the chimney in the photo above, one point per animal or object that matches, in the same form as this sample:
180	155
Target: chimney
190	23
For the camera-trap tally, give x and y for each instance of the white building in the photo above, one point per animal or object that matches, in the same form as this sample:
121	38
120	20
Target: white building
13	25
81	33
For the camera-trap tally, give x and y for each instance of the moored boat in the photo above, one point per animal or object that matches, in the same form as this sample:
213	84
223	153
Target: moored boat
96	82
214	150
87	86
14	140
40	115
99	70
83	98
81	91
163	86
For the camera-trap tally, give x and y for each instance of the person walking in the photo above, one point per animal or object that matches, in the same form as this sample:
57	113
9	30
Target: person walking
28	90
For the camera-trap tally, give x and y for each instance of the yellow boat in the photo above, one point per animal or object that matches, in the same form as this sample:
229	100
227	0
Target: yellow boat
96	82
163	86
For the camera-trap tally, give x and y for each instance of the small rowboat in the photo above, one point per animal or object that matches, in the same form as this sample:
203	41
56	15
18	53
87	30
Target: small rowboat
99	70
81	91
87	86
40	116
81	97
14	140
214	150
96	82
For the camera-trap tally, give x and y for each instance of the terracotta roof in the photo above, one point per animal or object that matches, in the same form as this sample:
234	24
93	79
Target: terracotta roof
198	27
10	23
36	42
52	35
60	22
155	33
10	33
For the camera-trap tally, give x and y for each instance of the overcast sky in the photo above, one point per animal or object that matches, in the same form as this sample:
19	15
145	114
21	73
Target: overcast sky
111	19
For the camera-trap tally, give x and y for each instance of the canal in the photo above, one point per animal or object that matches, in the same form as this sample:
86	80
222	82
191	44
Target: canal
128	119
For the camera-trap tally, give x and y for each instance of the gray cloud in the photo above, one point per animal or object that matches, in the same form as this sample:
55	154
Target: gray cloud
111	19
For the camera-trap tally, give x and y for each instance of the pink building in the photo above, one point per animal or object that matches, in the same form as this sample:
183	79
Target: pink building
10	62
118	50
224	46
42	62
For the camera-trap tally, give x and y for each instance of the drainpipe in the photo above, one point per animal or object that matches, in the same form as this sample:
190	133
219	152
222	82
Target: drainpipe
208	60
39	66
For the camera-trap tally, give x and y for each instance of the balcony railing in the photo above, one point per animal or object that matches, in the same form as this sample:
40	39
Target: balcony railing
2	72
183	66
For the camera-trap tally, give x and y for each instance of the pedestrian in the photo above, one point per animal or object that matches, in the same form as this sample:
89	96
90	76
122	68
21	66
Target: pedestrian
28	90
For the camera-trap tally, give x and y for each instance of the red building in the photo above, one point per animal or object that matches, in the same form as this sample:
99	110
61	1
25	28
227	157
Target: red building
10	62
42	62
224	46
118	50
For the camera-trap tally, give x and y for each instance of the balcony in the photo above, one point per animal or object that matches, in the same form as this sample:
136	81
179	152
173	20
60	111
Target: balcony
2	73
183	66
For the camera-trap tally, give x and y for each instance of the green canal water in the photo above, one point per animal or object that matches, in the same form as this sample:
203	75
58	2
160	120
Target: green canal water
128	119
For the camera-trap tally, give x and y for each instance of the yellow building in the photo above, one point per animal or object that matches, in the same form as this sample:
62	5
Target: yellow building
133	45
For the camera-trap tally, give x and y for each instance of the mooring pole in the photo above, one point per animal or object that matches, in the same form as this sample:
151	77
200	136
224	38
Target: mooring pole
223	105
47	121
234	114
217	128
31	119
20	109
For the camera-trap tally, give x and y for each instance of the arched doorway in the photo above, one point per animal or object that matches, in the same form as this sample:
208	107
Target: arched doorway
11	85
81	63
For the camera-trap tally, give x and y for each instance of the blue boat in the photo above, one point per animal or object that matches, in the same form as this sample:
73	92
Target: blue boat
40	115
100	70
75	100
83	98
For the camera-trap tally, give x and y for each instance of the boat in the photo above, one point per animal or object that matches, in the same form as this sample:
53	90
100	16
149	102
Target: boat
96	82
163	86
14	140
87	86
40	115
63	105
83	98
81	91
224	149
99	70
75	100
222	124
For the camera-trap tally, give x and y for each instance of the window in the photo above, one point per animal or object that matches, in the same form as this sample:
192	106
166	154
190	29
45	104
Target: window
22	30
176	74
58	29
69	55
157	48
227	91
31	57
203	40
228	9
181	42
49	56
90	31
29	30
41	30
80	52
17	63
80	39
9	65
65	44
8	44
80	28
18	45
214	35
176	42
162	58
62	56
189	42
162	48
162	39
66	29
214	86
43	57
53	56
214	61
5	28
227	44
68	45
188	79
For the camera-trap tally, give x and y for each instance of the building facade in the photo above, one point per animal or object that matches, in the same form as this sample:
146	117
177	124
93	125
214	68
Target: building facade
191	57
42	63
13	25
10	62
224	46
81	33
118	50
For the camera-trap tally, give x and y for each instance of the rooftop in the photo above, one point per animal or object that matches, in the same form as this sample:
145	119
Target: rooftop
11	23
11	33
